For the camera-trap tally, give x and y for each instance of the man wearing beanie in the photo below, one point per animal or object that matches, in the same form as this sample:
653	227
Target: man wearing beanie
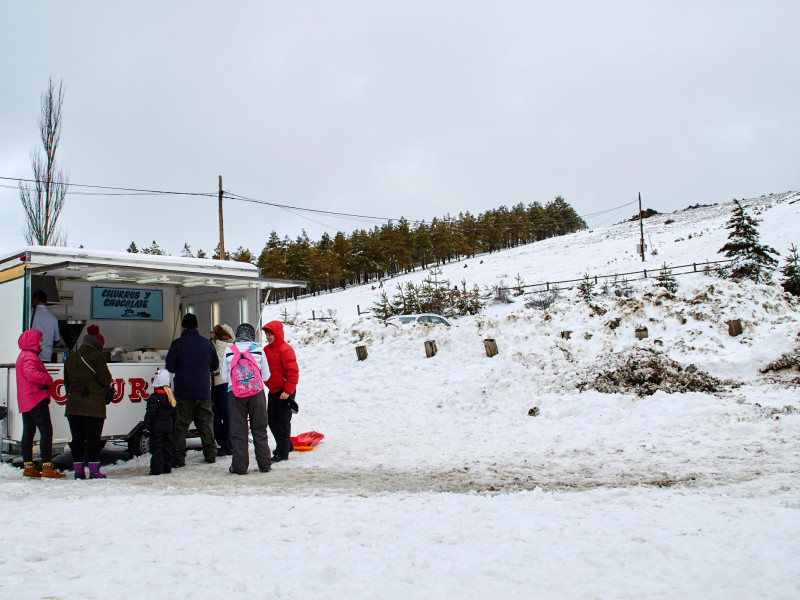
192	358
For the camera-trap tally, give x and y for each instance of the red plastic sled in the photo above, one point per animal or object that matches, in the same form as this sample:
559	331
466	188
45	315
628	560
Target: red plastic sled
306	441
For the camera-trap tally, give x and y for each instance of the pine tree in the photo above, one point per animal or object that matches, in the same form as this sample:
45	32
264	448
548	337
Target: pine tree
751	260
242	255
154	249
272	260
216	255
585	288
187	251
791	271
132	248
382	307
666	279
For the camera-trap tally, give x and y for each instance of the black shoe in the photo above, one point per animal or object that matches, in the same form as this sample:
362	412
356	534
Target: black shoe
211	460
276	458
167	471
222	452
264	470
230	470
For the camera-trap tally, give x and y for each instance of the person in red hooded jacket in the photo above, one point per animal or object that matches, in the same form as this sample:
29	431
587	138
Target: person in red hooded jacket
33	400
282	385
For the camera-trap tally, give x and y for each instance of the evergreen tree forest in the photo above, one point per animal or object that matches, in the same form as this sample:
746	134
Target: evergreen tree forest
400	246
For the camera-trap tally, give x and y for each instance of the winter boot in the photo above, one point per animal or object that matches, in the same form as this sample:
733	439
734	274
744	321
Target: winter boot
80	472
94	471
31	470
50	472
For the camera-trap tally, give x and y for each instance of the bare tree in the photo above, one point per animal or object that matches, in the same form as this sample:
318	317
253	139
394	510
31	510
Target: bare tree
43	201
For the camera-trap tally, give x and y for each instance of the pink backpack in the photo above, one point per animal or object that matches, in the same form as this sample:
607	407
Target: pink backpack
245	374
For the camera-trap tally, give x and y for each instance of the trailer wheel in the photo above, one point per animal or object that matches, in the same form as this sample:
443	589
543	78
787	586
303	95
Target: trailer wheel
139	443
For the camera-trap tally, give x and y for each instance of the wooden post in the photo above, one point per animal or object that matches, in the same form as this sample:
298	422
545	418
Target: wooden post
641	228
361	352
491	347
641	333
358	308
221	228
734	327
566	334
313	316
430	348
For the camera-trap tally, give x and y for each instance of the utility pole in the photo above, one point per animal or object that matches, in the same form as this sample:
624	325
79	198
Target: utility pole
222	229
641	226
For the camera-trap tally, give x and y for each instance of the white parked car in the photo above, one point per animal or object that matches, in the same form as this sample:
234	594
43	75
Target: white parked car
427	318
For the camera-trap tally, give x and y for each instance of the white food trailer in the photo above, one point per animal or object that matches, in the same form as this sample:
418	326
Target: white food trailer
138	301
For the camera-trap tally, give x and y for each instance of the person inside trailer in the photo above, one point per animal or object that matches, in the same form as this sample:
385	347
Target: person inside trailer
46	322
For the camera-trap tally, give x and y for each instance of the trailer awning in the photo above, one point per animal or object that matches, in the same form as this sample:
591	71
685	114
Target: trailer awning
108	268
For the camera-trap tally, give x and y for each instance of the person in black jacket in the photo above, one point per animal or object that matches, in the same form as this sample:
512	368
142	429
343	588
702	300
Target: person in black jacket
192	358
159	421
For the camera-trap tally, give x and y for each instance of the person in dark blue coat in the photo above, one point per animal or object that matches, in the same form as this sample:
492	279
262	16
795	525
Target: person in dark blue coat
159	421
192	358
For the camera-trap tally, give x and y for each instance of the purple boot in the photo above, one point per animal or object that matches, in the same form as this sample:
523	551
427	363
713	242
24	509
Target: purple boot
94	471
80	473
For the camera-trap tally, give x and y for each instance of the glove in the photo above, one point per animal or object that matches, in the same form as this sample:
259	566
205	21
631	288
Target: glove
293	406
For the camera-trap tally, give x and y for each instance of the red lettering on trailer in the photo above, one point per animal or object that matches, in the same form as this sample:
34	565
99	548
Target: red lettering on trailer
138	393
58	392
119	390
138	389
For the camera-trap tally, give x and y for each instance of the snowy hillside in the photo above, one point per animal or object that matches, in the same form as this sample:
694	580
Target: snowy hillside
594	466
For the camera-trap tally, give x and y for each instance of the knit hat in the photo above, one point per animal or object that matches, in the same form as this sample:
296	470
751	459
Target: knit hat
245	333
94	330
161	379
189	321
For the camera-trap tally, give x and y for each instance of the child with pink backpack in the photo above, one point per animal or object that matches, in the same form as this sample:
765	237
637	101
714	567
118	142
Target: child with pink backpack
245	369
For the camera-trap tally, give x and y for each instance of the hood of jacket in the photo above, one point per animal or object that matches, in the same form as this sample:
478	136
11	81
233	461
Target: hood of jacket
29	340
89	341
276	327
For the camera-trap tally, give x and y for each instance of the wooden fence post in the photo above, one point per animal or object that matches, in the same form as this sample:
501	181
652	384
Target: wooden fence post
641	333
430	348
734	327
361	352
566	334
491	347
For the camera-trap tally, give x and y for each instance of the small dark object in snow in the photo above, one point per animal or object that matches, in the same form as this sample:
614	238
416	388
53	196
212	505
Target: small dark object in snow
534	412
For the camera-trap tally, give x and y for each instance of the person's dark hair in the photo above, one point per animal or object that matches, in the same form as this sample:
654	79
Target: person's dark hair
189	321
39	296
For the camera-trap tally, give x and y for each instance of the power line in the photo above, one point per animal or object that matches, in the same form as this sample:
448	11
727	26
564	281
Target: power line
121	189
294	209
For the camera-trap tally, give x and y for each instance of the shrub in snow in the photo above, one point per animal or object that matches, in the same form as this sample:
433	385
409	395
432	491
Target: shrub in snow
499	293
542	300
433	295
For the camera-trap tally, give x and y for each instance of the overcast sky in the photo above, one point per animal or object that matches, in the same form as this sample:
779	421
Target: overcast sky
410	108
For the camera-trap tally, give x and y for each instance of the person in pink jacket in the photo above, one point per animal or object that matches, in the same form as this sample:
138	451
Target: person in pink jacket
33	400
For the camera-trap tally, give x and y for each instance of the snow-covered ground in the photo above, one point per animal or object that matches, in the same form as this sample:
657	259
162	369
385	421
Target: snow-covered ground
436	480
